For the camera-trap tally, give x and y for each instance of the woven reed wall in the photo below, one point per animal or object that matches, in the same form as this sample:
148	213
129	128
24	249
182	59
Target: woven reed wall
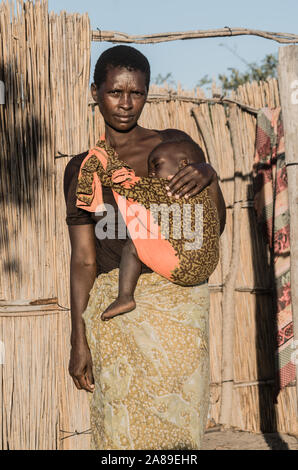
42	119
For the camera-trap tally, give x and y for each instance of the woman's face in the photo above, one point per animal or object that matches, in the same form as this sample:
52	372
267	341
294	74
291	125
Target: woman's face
121	97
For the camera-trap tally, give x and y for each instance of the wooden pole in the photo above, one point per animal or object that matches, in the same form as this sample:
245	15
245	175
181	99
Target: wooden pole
288	84
228	299
120	37
2	92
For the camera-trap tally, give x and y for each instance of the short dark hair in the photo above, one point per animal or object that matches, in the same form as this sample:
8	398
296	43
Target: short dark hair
121	56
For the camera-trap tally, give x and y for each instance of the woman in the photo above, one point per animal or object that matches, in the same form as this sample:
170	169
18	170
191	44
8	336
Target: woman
147	370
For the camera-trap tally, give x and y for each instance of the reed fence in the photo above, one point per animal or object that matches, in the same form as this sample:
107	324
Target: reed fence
48	117
42	116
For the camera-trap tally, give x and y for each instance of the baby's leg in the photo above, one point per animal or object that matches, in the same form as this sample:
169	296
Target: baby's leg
129	272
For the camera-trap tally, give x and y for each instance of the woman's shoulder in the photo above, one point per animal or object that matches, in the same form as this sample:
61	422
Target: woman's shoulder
74	215
75	163
72	169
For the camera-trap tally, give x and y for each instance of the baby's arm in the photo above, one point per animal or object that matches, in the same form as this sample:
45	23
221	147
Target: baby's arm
129	272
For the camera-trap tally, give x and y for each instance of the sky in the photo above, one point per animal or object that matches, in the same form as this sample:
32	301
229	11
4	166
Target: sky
190	60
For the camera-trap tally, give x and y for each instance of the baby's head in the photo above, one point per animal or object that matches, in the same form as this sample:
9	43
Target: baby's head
167	158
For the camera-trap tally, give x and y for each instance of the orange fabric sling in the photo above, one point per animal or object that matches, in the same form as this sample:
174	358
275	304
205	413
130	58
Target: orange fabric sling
133	196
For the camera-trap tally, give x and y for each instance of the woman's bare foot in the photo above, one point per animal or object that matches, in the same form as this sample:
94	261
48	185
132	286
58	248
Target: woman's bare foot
119	306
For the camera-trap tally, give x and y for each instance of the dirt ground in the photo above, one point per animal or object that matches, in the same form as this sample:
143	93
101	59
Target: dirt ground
216	439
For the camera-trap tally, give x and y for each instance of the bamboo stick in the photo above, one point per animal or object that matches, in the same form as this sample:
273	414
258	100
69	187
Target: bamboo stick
173	96
228	303
288	81
119	37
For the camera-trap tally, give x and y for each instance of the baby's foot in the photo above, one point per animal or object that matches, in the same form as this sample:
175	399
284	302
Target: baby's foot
119	306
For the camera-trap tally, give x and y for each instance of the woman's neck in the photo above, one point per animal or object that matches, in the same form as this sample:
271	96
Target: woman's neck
117	139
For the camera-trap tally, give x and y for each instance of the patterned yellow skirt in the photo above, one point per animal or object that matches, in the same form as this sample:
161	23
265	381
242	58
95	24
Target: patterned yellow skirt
151	366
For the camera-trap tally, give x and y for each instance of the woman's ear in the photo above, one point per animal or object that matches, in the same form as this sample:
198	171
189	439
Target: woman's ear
93	90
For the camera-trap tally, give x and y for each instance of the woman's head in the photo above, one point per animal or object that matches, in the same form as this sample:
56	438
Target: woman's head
121	82
124	57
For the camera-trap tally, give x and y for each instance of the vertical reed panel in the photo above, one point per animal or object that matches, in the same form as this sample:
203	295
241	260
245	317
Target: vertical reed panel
27	169
70	70
41	117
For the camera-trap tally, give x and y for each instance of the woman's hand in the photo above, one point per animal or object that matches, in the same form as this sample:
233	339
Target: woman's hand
191	180
80	366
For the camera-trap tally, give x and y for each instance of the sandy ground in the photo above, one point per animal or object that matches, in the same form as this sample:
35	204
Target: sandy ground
215	439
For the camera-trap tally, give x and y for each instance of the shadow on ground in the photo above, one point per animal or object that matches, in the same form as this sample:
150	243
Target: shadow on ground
242	440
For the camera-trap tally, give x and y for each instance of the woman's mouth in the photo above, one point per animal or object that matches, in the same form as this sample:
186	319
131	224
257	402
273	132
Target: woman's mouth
123	118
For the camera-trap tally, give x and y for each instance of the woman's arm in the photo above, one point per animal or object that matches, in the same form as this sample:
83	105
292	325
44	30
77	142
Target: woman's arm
216	195
82	277
195	177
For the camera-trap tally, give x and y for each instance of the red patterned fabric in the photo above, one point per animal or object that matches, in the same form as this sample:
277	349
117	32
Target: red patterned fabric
271	205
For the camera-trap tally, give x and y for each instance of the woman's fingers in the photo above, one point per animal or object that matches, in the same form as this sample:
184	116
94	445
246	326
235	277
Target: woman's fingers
90	378
80	367
77	384
84	380
180	179
84	383
200	174
196	190
184	192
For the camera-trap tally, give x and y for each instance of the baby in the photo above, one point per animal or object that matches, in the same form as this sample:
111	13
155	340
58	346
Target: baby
165	160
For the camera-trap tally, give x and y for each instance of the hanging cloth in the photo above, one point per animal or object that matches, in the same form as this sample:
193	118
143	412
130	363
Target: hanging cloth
272	209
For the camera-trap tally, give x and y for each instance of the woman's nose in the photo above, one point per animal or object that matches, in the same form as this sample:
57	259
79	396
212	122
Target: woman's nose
126	101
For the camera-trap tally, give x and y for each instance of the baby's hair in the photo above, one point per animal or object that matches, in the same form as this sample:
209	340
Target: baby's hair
121	56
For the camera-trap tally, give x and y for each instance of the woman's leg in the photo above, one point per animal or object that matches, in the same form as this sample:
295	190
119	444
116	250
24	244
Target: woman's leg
129	272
